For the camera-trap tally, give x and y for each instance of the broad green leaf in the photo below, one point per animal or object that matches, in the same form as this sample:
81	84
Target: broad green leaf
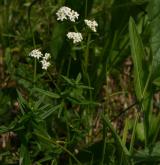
57	38
140	132
154	16
137	52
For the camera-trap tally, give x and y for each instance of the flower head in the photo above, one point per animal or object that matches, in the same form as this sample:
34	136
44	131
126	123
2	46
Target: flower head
46	56
76	36
45	64
65	13
91	24
36	53
42	58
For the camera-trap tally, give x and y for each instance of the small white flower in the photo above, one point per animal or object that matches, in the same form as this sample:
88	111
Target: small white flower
91	24
76	36
46	56
36	54
73	15
65	13
62	13
45	64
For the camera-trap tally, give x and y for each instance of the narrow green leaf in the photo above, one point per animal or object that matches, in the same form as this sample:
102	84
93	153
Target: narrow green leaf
157	82
69	81
49	111
39	102
48	93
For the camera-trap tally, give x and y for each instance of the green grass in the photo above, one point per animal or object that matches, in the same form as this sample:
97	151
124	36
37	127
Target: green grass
98	102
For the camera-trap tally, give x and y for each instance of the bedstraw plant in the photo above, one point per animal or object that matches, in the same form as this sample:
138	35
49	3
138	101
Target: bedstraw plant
79	82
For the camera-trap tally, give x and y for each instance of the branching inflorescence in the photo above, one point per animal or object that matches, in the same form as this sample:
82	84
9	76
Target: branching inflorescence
42	58
65	13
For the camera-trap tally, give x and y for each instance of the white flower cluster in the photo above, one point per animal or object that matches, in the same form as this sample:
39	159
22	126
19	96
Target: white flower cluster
77	37
37	54
65	13
45	62
91	24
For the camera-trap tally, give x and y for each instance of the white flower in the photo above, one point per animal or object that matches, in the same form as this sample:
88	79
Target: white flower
46	56
91	24
36	54
44	59
77	37
73	15
45	64
65	13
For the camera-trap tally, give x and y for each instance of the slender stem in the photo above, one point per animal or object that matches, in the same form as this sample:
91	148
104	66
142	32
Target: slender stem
86	54
133	134
86	7
50	77
146	111
104	142
35	71
34	42
104	125
69	66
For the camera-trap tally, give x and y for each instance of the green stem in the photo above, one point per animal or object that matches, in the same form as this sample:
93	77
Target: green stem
51	79
86	6
86	54
133	134
104	142
69	66
146	111
35	71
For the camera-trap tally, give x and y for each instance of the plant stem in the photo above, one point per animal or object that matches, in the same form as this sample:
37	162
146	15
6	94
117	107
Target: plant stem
133	134
104	142
86	54
69	66
86	7
35	71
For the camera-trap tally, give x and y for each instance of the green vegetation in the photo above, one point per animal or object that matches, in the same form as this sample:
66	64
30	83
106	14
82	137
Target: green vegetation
92	96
